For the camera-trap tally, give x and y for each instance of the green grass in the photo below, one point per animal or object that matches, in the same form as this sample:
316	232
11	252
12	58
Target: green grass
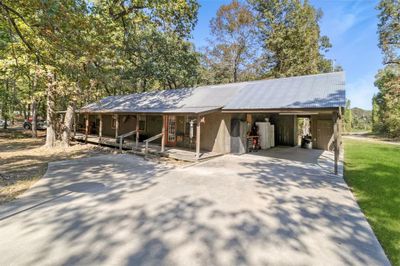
372	170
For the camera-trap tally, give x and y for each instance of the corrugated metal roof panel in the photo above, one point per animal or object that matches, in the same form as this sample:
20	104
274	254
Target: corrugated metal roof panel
155	100
181	110
313	91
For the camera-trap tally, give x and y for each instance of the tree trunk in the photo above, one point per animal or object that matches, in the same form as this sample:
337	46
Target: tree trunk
68	123
13	103
51	114
34	118
34	107
5	107
24	108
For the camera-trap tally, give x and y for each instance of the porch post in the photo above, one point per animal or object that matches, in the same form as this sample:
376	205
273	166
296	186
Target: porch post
116	126
163	133
86	126
198	138
137	131
100	128
335	141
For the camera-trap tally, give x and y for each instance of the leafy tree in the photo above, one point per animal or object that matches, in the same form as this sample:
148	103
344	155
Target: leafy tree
291	37
83	49
233	48
348	118
386	104
389	30
362	119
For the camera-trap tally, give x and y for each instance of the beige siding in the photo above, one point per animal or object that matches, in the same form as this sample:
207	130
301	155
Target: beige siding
322	131
215	133
127	123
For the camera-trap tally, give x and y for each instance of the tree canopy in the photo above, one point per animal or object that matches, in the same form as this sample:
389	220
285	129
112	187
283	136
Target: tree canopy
291	37
232	52
389	30
386	103
80	51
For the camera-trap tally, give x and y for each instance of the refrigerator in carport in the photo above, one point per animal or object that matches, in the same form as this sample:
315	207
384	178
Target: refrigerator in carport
266	135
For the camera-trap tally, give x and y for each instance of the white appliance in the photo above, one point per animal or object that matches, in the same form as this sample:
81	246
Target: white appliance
267	135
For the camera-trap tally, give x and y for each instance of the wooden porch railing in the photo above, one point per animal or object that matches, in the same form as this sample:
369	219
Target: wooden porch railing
123	136
146	149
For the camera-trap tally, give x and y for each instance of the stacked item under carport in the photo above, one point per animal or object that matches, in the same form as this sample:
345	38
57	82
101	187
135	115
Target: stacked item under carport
266	133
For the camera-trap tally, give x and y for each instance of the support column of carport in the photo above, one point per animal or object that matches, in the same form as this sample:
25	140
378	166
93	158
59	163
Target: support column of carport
198	138
337	116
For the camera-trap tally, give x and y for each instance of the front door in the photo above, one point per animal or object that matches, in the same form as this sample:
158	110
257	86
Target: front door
171	130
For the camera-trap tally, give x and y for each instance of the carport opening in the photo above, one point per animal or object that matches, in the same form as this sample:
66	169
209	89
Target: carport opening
261	131
253	132
304	135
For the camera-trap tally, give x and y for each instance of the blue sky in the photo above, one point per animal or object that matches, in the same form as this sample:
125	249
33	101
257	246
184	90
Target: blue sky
351	27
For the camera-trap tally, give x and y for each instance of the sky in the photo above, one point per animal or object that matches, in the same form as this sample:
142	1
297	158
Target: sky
351	26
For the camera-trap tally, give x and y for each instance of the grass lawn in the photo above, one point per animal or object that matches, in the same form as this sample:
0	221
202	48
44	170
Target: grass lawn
372	170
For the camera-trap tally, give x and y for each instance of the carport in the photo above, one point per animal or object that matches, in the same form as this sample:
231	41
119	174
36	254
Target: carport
324	128
280	103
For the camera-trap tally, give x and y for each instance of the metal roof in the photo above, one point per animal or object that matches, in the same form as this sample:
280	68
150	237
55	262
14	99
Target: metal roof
155	101
302	92
312	91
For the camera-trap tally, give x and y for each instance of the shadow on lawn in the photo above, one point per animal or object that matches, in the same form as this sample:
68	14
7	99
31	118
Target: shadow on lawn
112	227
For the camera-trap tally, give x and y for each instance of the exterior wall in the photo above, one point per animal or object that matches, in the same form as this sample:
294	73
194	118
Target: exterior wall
108	131
285	129
322	131
127	123
215	133
154	124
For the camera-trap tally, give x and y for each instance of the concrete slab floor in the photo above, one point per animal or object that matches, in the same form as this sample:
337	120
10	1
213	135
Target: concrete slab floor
231	210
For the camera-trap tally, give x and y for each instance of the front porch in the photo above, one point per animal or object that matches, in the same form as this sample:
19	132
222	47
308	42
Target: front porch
177	153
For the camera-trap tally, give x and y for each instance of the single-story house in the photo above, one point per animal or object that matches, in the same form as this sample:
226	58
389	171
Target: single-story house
219	118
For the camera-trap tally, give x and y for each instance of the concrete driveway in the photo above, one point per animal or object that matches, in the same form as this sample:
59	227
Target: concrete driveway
232	210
